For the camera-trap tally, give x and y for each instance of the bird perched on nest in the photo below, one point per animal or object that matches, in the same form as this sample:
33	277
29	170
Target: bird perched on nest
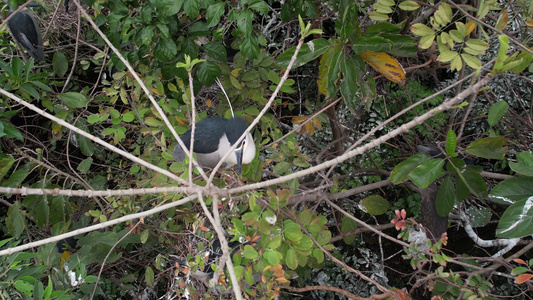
25	30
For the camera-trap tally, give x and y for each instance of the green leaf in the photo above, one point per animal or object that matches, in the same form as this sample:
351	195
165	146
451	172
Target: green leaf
309	51
15	220
207	72
250	47
275	242
166	49
471	179
85	145
16	179
273	257
149	276
472	61
490	148
420	29
12	132
249	252
451	142
191	8
292	231
5	165
214	12
445	197
282	167
318	255
524	164
260	6
244	22
426	173
517	220
72	99
402	170
512	190
305	243
85	165
347	226
198	28
291	259
374	43
408	5
496	112
216	51
478	216
60	63
375	205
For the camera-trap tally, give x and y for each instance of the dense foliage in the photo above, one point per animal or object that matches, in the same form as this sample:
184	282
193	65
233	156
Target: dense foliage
379	126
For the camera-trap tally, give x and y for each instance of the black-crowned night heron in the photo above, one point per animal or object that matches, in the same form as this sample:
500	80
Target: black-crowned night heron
26	32
212	140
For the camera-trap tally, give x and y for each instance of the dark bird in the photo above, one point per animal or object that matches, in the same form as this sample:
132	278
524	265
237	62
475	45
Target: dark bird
26	32
212	140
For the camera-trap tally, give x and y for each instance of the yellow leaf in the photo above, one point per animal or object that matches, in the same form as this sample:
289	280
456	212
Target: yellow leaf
209	103
386	65
470	26
529	23
502	20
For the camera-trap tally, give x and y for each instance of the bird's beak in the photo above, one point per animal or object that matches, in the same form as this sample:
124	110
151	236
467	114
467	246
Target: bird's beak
238	153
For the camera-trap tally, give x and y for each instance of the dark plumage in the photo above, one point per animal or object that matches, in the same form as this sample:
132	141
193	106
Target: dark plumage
213	138
26	32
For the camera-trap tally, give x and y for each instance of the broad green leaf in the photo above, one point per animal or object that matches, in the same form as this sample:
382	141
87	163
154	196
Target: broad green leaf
318	255
382	28
478	216
275	242
292	231
72	99
472	61
490	148
496	112
208	72
5	165
60	63
214	12
426	41
477	44
512	190
198	29
191	8
85	165
426	173
149	276
446	56
470	179
273	257
456	63
249	252
517	220
12	132
282	167
15	220
347	226
451	142
309	51
524	164
402	170
17	177
250	47
216	51
291	259
408	5
305	243
422	30
375	205
166	49
445	197
374	43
